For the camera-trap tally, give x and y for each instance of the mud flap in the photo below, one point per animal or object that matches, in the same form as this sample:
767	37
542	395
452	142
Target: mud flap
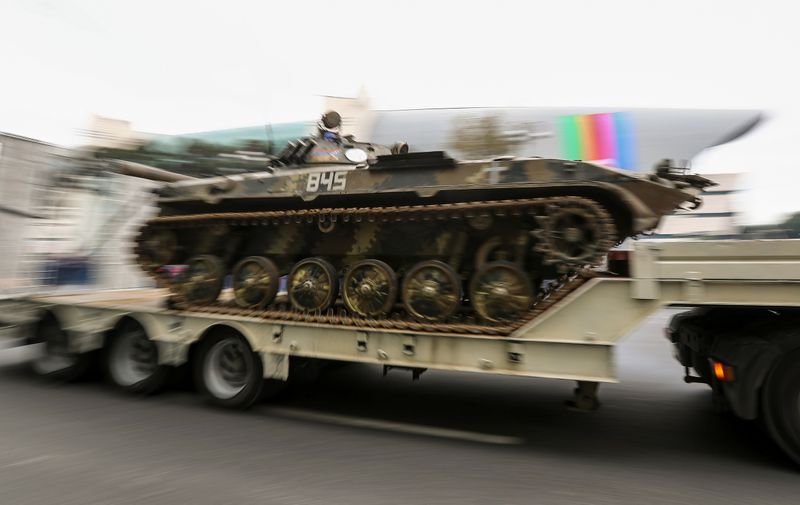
276	366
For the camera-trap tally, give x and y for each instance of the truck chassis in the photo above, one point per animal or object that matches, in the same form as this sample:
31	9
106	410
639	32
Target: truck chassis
236	359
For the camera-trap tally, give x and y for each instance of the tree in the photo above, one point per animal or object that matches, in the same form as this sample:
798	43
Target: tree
202	148
256	146
482	137
792	225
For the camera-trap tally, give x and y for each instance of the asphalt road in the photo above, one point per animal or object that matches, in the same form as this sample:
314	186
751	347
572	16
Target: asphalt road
358	438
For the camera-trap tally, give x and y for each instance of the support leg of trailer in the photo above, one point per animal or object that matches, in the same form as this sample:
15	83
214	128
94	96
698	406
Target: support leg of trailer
584	397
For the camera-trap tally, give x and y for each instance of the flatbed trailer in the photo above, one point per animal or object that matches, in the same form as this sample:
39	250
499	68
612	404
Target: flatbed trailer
753	366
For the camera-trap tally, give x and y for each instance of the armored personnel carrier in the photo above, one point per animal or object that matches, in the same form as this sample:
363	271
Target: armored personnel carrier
338	231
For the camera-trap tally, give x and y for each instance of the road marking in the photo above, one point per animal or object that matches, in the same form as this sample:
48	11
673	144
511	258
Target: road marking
377	424
18	355
28	461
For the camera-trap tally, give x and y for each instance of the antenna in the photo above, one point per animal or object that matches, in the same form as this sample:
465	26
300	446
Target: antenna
270	145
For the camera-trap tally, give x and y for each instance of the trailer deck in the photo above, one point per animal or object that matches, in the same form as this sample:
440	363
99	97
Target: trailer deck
574	339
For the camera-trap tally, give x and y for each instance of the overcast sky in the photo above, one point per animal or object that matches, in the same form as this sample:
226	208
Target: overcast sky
176	67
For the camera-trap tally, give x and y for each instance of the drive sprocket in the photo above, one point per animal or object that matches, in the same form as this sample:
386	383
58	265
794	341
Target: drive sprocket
575	232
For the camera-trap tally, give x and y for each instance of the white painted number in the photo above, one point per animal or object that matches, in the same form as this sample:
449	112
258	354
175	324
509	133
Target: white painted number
326	181
339	181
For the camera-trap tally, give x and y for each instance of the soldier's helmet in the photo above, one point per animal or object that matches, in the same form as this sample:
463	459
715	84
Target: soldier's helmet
330	125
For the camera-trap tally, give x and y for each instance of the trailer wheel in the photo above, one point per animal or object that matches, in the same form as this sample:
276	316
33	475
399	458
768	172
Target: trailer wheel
781	405
57	362
131	360
228	372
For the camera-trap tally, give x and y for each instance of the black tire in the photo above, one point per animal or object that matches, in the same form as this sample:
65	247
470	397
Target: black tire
273	389
57	363
237	385
130	360
781	405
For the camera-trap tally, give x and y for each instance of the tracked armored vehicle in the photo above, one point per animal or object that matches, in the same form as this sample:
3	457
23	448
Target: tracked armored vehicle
337	231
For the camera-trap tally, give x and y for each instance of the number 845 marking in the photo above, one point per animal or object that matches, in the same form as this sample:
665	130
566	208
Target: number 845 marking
326	181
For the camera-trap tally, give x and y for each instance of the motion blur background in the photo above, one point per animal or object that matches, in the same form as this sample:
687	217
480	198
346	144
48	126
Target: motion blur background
176	84
209	88
178	67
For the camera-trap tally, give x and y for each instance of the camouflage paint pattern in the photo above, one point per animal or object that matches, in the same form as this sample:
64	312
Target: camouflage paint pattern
643	199
342	202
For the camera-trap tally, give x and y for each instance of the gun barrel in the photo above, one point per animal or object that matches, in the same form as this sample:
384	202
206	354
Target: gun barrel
147	172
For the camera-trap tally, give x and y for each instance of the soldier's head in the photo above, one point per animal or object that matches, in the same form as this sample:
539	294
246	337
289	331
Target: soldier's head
329	125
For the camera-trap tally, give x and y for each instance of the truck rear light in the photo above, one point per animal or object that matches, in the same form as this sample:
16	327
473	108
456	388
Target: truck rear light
723	372
618	255
618	262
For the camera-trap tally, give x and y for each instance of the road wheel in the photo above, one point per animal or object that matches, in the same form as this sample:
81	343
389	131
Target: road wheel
158	247
312	285
57	362
781	405
501	292
228	372
431	291
255	282
131	361
369	288
202	281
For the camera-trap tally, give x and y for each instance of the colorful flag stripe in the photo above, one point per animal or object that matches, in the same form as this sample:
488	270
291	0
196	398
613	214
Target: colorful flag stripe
588	138
626	157
569	137
605	138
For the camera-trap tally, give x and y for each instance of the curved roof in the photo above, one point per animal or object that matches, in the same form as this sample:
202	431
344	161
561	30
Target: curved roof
649	135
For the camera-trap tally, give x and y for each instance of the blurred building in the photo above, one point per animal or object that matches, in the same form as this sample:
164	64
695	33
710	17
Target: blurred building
63	223
632	139
277	134
111	133
718	216
86	236
26	167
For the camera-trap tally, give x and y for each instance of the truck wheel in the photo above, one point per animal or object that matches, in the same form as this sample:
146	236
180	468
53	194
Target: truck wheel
781	404
228	372
131	361
57	362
